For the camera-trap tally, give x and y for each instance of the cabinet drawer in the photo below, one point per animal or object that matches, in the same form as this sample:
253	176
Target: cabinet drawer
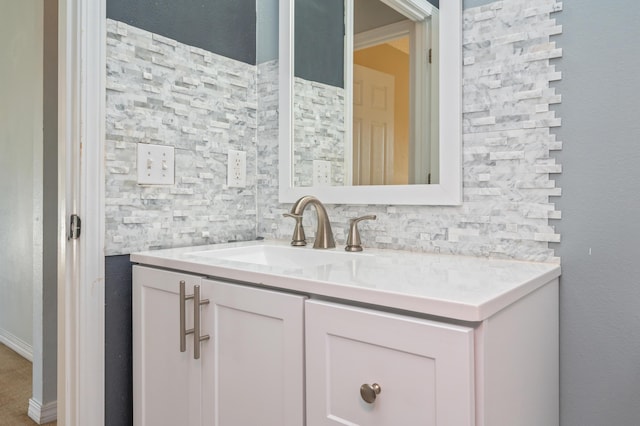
424	368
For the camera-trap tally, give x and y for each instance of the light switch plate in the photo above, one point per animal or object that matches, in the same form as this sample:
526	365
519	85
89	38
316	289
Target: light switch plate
237	169
156	164
321	173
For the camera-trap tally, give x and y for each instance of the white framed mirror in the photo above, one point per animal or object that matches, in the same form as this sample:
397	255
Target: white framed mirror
322	152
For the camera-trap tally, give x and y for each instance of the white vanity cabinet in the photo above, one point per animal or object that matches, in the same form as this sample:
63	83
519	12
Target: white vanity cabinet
384	338
249	370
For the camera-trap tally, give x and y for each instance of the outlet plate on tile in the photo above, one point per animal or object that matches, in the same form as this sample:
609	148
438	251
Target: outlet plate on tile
321	173
156	164
237	169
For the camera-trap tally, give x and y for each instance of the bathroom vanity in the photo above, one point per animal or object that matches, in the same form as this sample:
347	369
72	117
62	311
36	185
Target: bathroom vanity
261	333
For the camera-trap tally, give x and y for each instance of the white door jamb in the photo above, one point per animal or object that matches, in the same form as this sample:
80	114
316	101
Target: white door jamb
81	88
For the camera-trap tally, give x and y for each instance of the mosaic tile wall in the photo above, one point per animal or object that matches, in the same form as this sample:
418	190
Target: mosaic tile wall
163	92
508	162
319	130
269	210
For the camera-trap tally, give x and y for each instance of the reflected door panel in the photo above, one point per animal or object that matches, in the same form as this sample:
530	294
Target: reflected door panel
373	126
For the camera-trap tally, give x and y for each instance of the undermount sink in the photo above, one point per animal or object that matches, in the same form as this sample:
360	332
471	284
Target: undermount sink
278	256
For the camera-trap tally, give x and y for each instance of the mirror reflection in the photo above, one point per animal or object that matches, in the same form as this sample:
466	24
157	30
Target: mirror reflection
365	93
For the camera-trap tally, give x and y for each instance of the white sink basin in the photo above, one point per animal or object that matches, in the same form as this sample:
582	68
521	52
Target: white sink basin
278	256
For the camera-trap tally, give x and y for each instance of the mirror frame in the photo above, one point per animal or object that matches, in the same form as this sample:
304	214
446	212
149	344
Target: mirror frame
449	190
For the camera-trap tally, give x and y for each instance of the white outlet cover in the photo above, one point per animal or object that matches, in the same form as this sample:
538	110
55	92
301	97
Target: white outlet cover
156	164
237	169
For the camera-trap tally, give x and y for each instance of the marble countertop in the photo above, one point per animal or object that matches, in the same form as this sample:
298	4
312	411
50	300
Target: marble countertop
458	287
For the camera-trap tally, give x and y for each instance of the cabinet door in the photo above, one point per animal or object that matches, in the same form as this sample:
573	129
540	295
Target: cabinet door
424	369
257	359
167	383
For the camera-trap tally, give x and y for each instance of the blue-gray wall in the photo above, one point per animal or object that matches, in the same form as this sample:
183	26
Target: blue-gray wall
319	41
266	30
600	204
224	27
46	373
466	4
118	342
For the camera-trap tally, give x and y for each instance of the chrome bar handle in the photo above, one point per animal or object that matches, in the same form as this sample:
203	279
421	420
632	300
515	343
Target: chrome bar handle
197	338
183	315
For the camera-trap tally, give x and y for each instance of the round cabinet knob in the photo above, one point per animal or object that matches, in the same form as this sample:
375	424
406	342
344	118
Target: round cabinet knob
369	392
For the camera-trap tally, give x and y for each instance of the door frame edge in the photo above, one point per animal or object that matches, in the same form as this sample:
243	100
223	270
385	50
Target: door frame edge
81	115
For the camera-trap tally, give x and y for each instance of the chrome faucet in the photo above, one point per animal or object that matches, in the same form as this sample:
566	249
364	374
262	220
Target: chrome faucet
324	234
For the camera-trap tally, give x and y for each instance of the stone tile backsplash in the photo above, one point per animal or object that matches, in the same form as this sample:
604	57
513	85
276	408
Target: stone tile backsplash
160	91
507	148
318	116
163	92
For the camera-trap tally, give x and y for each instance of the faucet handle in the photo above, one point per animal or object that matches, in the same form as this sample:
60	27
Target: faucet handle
298	239
353	240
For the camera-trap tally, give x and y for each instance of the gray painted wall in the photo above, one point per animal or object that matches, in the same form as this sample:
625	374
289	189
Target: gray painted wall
600	204
467	4
28	188
118	364
45	300
21	35
319	41
266	30
224	27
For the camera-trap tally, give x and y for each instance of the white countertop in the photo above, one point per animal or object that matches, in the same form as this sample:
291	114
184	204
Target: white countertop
458	287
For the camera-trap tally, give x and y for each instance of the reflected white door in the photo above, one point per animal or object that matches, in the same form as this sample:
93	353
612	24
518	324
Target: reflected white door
373	126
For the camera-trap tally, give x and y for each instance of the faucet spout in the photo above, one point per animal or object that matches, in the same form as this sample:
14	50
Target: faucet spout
324	234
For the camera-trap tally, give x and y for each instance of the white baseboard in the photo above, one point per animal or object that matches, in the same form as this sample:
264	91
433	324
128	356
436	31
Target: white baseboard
16	344
43	413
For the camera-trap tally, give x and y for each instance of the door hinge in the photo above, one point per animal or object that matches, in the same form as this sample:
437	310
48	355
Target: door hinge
430	50
75	227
